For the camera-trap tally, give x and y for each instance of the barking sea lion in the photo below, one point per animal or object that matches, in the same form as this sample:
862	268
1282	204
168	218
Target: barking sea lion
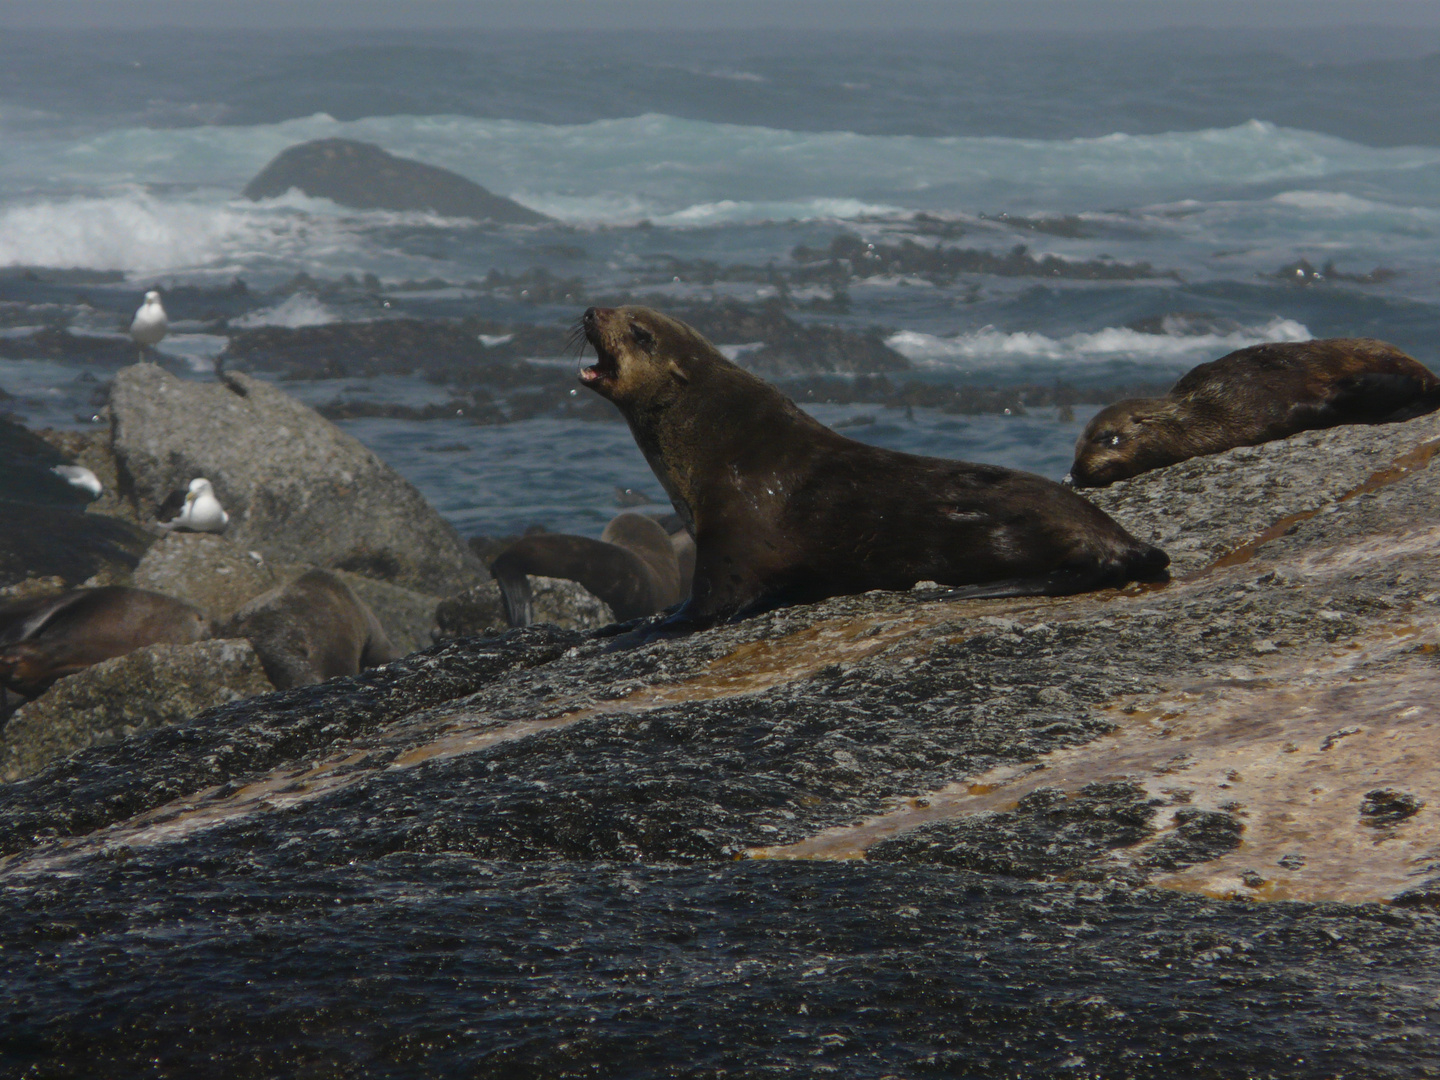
784	510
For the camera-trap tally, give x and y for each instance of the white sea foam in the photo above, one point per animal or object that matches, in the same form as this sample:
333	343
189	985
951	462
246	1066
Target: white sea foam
654	165
991	349
139	232
297	310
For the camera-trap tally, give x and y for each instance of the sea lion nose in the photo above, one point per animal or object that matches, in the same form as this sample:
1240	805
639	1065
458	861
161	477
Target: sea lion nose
594	315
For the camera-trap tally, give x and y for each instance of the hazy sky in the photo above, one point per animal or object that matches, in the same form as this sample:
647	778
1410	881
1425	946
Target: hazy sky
1105	15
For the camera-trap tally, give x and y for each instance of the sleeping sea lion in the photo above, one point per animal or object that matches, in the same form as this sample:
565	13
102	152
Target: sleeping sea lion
1252	396
46	638
784	510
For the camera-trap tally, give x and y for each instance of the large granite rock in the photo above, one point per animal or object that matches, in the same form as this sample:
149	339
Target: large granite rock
1187	830
480	610
406	615
297	488
148	688
206	570
368	178
44	529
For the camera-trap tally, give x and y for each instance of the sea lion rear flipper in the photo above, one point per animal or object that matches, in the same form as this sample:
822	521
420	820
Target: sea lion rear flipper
514	592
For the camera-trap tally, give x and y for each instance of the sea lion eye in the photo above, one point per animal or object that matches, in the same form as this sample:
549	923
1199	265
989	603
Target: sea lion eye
1113	440
644	338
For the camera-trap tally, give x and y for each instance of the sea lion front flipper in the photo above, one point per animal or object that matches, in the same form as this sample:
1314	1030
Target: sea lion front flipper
1066	582
681	622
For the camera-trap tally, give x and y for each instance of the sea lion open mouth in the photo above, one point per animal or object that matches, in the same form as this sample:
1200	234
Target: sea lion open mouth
606	368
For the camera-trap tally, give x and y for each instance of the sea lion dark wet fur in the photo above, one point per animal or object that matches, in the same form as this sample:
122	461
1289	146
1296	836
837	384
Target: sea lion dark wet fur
1252	396
633	567
784	510
44	639
311	629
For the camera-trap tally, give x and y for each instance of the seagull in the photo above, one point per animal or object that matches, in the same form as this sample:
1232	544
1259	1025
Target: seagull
81	477
202	511
150	324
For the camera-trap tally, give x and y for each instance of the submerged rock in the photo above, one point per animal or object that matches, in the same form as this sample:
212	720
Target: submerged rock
368	178
298	490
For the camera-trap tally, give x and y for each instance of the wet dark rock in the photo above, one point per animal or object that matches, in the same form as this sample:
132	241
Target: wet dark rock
54	343
790	347
366	177
1303	273
297	489
1199	836
850	256
1048	834
151	687
1386	806
44	528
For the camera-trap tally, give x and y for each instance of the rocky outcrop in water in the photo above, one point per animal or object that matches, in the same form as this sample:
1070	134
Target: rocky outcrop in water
298	490
1187	830
368	178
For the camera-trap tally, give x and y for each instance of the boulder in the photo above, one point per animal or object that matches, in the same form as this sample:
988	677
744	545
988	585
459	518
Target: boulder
297	488
480	610
203	569
148	688
406	615
366	177
44	529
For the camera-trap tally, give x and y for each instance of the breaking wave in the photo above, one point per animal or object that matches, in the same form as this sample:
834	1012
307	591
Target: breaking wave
989	349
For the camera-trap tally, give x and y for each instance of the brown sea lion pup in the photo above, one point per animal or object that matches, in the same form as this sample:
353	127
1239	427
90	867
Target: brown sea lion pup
46	638
784	510
632	567
312	629
1252	396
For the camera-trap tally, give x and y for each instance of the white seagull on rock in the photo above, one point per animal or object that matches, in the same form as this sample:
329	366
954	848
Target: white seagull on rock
151	323
202	511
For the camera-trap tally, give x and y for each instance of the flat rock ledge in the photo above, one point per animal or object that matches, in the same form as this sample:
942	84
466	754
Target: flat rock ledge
1190	830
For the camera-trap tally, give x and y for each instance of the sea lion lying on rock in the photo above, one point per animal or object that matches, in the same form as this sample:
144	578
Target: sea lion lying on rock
312	629
633	567
43	639
784	510
1252	396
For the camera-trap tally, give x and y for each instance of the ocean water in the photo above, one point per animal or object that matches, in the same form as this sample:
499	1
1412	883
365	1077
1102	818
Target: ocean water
1247	191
